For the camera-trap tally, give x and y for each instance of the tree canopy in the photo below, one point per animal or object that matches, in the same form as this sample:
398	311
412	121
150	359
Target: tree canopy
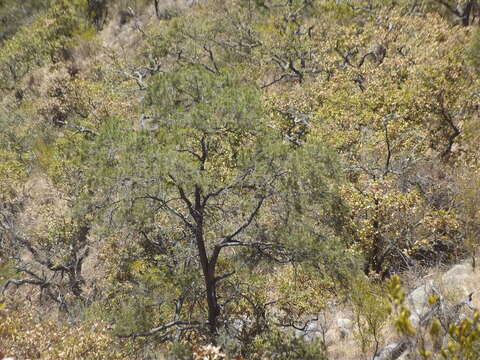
188	173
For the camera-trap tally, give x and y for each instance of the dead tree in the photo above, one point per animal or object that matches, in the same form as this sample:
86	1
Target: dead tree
55	271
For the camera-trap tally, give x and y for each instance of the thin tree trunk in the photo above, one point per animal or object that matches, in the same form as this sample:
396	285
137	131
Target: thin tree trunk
466	13
157	10
208	267
209	279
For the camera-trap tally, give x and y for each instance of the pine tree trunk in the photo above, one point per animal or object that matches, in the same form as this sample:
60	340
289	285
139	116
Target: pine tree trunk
208	268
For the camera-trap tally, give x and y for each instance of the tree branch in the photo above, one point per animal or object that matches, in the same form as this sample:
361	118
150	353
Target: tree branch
79	128
389	150
224	276
274	81
227	187
452	8
212	58
364	57
228	240
178	323
173	211
246	223
20	282
193	62
456	132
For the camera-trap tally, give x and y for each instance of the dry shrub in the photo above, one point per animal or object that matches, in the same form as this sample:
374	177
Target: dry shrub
23	336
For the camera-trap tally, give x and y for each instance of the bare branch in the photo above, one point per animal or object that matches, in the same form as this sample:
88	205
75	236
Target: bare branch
345	57
227	187
234	44
293	325
456	132
212	58
178	323
79	128
191	152
187	201
229	239
20	282
169	208
224	276
359	81
389	150
362	60
242	227
451	8
274	81
297	72
181	57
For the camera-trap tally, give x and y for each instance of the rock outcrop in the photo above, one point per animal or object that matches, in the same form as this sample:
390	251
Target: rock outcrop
458	283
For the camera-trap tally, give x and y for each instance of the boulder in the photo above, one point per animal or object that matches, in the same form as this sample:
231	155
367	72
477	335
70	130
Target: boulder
345	327
418	298
393	352
309	333
385	353
457	275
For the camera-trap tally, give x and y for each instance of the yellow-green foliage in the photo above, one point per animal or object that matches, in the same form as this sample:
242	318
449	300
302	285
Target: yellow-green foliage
465	343
13	158
301	292
397	297
24	337
462	338
371	310
281	346
45	37
357	121
14	14
473	50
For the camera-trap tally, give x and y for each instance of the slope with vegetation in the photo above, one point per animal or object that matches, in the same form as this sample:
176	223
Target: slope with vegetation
185	173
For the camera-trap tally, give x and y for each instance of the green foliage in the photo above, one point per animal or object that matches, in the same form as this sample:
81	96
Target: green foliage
7	271
296	140
465	342
15	14
207	147
462	340
44	38
14	157
397	295
371	310
473	50
180	351
169	13
284	346
89	341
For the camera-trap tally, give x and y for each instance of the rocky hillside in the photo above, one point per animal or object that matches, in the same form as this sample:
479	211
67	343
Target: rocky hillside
241	179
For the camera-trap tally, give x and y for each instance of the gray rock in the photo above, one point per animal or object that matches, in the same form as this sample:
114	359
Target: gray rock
406	356
310	333
385	353
414	319
457	275
390	352
345	327
418	298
